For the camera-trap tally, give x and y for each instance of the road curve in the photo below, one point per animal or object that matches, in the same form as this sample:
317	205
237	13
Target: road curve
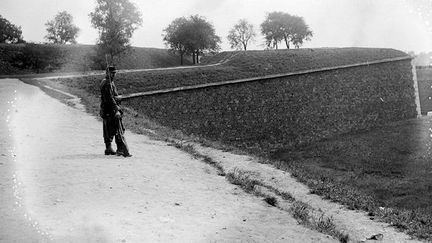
60	187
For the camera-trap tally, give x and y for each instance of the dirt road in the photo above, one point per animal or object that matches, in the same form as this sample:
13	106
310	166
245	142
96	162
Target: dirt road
57	186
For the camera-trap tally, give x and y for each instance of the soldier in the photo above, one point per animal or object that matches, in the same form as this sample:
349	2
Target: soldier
111	114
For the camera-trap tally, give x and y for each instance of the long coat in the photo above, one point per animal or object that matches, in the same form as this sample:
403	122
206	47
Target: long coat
108	108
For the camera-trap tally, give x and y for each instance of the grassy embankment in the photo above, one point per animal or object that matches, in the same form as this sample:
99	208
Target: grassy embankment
44	58
385	171
243	65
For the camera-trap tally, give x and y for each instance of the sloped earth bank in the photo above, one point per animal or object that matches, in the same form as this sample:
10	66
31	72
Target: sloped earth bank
57	185
356	224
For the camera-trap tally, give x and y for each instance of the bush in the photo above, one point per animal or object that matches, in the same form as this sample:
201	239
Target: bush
39	58
35	58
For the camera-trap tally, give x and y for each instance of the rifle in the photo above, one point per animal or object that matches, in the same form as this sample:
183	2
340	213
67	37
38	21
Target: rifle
107	67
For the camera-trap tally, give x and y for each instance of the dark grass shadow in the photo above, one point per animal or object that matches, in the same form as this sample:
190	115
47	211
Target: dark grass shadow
387	167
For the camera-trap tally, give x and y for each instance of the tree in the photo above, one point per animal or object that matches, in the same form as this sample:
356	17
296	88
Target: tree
279	26
300	32
192	35
176	36
61	30
241	34
9	33
116	20
271	29
203	37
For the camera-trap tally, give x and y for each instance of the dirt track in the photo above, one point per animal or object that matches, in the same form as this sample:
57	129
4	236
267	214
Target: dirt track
59	186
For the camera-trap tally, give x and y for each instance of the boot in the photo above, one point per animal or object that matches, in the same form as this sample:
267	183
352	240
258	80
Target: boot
124	154
109	150
122	148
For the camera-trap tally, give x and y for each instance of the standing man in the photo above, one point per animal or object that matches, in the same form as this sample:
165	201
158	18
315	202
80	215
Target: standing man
112	116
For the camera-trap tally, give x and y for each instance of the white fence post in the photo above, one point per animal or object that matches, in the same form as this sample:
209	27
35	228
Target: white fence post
416	88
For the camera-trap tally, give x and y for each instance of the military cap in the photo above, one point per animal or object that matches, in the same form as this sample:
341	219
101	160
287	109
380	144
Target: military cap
111	69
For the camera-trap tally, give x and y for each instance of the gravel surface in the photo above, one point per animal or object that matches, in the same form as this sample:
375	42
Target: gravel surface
59	186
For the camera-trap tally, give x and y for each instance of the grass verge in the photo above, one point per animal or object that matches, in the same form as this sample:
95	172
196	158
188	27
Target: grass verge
301	211
190	150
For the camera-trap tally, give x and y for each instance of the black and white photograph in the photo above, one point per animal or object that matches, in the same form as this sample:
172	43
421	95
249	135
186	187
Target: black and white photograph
215	121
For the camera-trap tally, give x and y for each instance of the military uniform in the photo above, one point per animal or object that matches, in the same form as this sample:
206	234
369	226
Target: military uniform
112	123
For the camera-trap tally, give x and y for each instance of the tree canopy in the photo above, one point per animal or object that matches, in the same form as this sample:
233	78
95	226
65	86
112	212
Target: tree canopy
61	29
279	26
116	20
192	35
240	35
9	33
177	36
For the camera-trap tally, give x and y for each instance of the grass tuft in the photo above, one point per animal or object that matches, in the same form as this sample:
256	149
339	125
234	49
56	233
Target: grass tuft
305	215
271	201
243	179
300	211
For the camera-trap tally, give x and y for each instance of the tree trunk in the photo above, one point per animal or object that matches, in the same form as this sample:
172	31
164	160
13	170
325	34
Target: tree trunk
112	59
197	57
193	58
287	42
181	59
244	45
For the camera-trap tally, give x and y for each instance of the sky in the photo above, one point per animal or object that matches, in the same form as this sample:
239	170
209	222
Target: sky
400	24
